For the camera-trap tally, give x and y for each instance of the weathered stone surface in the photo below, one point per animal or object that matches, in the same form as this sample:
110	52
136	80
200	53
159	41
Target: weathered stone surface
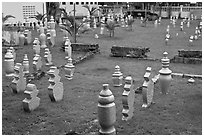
55	89
190	53
148	89
36	46
83	47
19	82
106	111
138	52
9	63
128	99
48	57
69	69
26	65
31	102
37	63
117	77
165	74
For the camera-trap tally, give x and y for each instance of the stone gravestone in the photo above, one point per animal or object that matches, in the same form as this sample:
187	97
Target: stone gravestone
26	37
69	69
31	102
13	52
165	74
52	30
48	57
19	82
68	48
106	111
117	77
9	63
55	88
36	46
21	39
42	36
49	42
147	88
26	64
128	99
37	63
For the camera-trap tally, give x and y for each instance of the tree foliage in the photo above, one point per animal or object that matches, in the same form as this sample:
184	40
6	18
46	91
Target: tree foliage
5	18
39	17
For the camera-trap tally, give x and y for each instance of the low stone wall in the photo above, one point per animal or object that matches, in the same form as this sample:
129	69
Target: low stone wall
90	49
188	57
190	53
137	52
83	47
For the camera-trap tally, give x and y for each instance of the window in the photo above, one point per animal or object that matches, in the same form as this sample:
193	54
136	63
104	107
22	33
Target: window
77	3
63	3
87	3
91	3
28	11
71	3
95	3
82	3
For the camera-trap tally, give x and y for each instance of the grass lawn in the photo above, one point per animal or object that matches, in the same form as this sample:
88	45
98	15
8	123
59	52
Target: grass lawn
179	112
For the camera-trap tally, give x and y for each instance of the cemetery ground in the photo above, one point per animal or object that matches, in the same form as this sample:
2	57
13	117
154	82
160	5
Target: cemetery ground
178	112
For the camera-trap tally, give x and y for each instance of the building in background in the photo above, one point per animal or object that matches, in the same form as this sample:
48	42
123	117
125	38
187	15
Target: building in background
22	10
80	10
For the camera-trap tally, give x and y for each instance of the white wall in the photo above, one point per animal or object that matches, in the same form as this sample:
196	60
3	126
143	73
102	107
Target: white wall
16	9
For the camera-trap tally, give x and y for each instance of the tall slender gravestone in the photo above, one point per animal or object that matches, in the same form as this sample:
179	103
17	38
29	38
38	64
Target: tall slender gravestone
19	82
48	57
69	69
9	63
52	30
55	89
165	74
42	36
21	39
128	99
31	102
26	37
68	48
26	64
117	77
49	42
147	88
106	111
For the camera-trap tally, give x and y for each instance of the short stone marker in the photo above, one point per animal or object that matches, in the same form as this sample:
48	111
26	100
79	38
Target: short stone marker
117	77
106	111
147	89
69	69
55	89
128	99
13	52
19	82
37	63
31	102
48	57
36	46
